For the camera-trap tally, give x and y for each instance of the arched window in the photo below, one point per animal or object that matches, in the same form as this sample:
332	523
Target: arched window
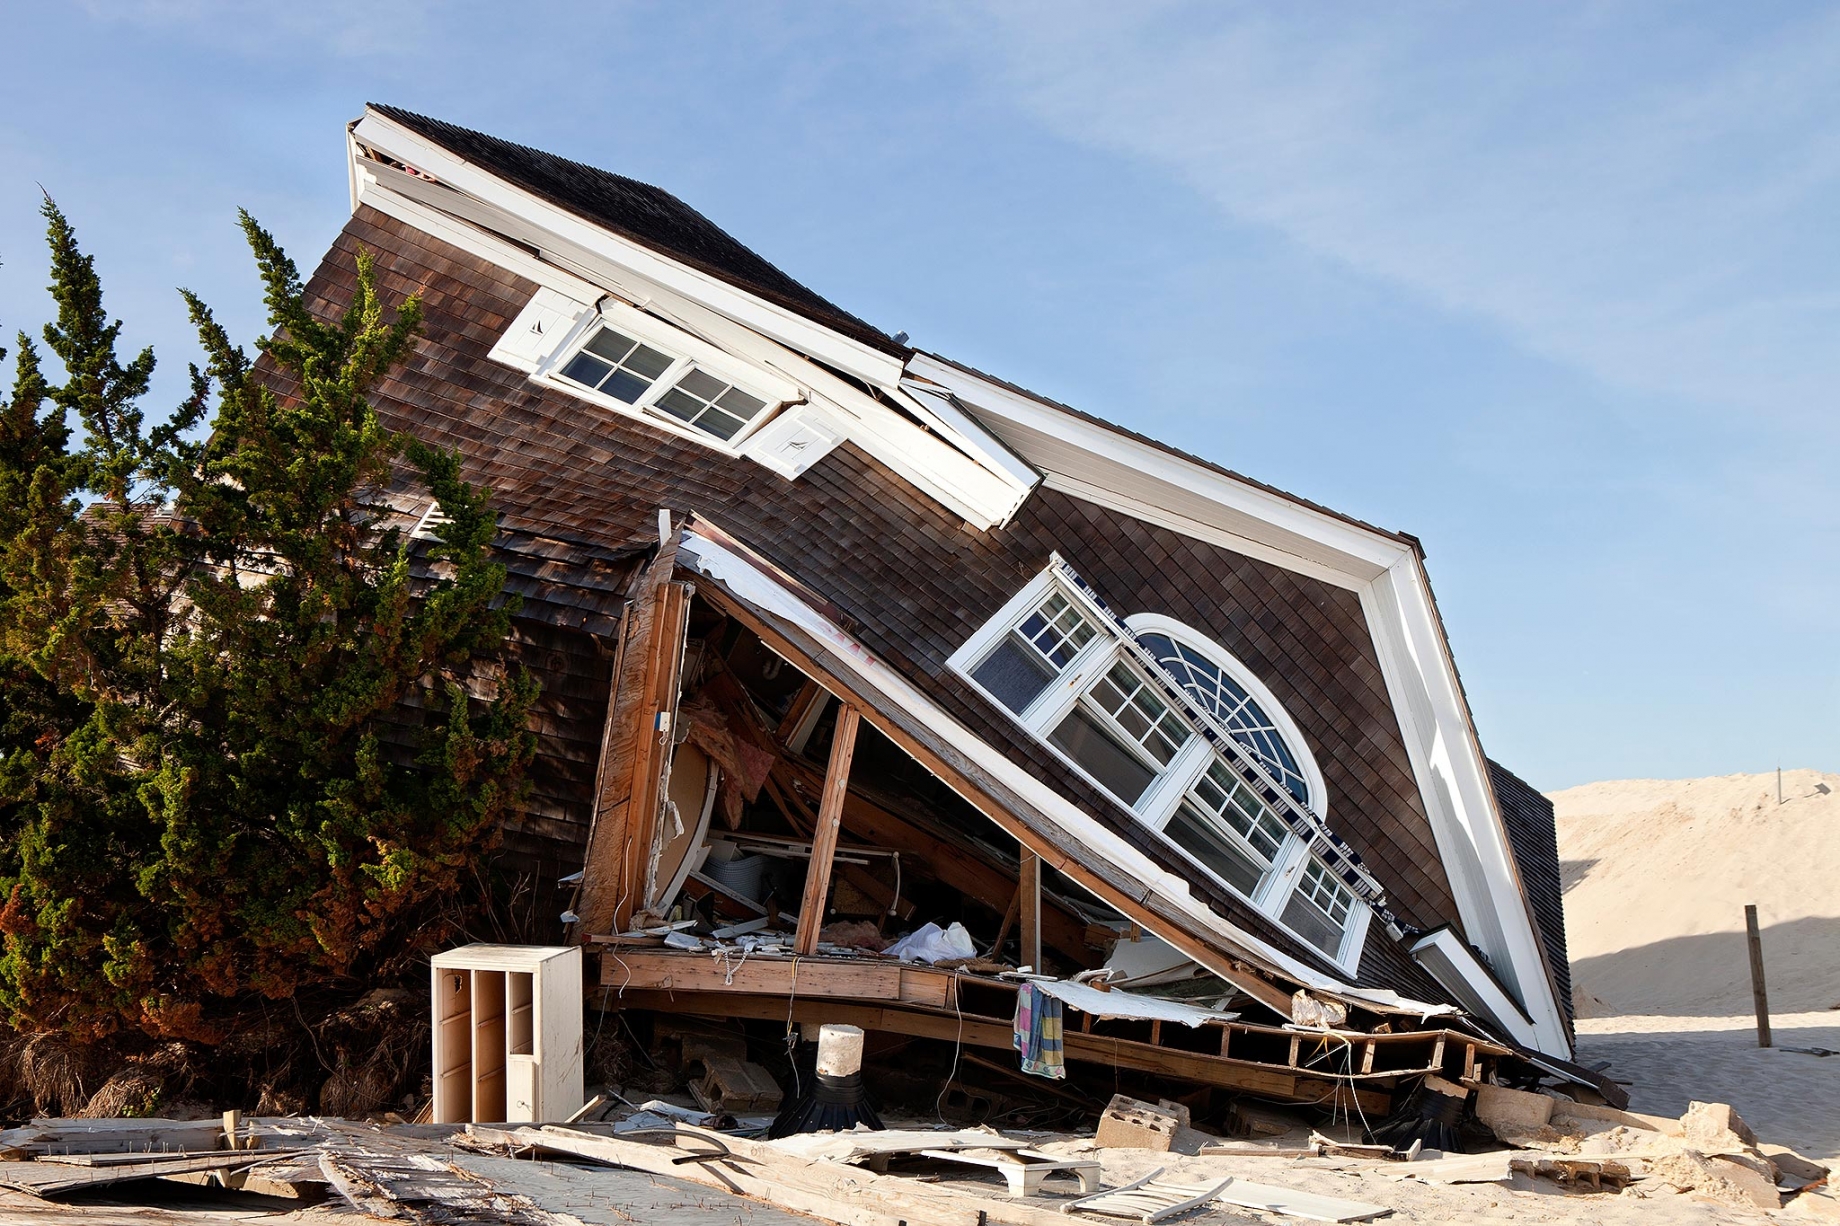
1229	692
1064	670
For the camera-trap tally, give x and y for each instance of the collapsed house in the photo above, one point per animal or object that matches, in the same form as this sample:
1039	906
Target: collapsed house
842	642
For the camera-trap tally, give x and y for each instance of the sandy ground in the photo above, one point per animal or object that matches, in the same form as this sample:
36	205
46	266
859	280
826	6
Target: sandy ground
1788	1097
1657	875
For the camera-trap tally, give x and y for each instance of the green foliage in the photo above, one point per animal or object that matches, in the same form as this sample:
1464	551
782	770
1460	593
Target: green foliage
207	646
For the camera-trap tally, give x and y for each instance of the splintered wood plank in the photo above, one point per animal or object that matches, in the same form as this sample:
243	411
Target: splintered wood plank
830	822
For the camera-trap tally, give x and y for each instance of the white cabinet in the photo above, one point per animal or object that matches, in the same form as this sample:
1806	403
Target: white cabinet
507	1034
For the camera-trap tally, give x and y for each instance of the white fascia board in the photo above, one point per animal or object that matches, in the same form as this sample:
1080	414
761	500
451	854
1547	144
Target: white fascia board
1065	445
941	410
471	238
1452	777
748	583
1189	526
381	133
980	496
1453	964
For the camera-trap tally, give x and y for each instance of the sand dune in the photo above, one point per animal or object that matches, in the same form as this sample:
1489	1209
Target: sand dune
1657	875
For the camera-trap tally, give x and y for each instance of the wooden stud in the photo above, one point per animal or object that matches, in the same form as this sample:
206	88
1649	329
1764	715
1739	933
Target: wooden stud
618	838
1367	1056
1009	922
824	838
1028	891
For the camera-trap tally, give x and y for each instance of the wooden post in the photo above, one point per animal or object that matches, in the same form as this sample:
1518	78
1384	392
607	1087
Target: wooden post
1028	889
1758	995
830	823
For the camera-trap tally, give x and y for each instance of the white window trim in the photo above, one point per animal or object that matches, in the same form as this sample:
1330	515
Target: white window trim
1158	803
1227	662
686	352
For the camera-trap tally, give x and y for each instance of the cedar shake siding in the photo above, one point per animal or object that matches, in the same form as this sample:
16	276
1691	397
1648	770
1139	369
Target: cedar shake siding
913	581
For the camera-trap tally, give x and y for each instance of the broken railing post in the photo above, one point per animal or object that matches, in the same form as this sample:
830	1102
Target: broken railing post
824	838
1028	891
1758	995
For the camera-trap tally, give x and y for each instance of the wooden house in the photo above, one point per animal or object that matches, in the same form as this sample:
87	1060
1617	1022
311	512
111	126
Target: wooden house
832	628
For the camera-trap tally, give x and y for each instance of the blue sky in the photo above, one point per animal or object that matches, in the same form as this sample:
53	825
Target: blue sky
1554	288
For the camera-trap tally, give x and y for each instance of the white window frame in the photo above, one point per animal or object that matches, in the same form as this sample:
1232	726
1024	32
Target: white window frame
687	353
1226	662
1171	783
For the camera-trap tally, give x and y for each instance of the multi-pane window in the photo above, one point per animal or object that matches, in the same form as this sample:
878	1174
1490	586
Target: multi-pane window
1027	658
1073	679
617	365
710	405
1229	703
1229	829
1319	908
1145	718
633	372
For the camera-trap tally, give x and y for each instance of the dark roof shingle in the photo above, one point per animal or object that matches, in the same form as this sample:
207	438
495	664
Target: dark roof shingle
643	213
1534	840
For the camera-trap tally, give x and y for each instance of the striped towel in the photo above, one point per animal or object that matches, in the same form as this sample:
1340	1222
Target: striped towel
1038	1033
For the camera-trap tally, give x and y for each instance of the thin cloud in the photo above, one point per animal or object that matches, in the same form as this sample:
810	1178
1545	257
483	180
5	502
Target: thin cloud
1648	205
352	29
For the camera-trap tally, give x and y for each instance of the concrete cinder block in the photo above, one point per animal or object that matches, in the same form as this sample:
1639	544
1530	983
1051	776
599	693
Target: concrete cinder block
1130	1123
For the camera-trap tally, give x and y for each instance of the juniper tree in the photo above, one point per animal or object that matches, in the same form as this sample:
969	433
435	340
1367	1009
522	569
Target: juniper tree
207	640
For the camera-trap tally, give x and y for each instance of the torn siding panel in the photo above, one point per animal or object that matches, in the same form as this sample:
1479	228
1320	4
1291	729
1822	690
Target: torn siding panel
913	579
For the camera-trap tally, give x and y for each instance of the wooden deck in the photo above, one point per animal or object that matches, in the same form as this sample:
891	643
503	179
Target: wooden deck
1346	1068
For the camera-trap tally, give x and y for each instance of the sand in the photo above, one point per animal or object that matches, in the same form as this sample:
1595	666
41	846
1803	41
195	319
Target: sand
1657	875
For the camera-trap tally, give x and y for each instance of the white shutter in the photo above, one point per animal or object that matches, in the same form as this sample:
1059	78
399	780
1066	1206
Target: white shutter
793	441
546	320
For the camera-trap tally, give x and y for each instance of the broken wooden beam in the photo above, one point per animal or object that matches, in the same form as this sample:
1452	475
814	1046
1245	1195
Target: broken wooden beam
633	745
824	837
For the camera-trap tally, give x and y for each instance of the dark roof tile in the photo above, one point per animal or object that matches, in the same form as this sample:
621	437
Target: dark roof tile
643	213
